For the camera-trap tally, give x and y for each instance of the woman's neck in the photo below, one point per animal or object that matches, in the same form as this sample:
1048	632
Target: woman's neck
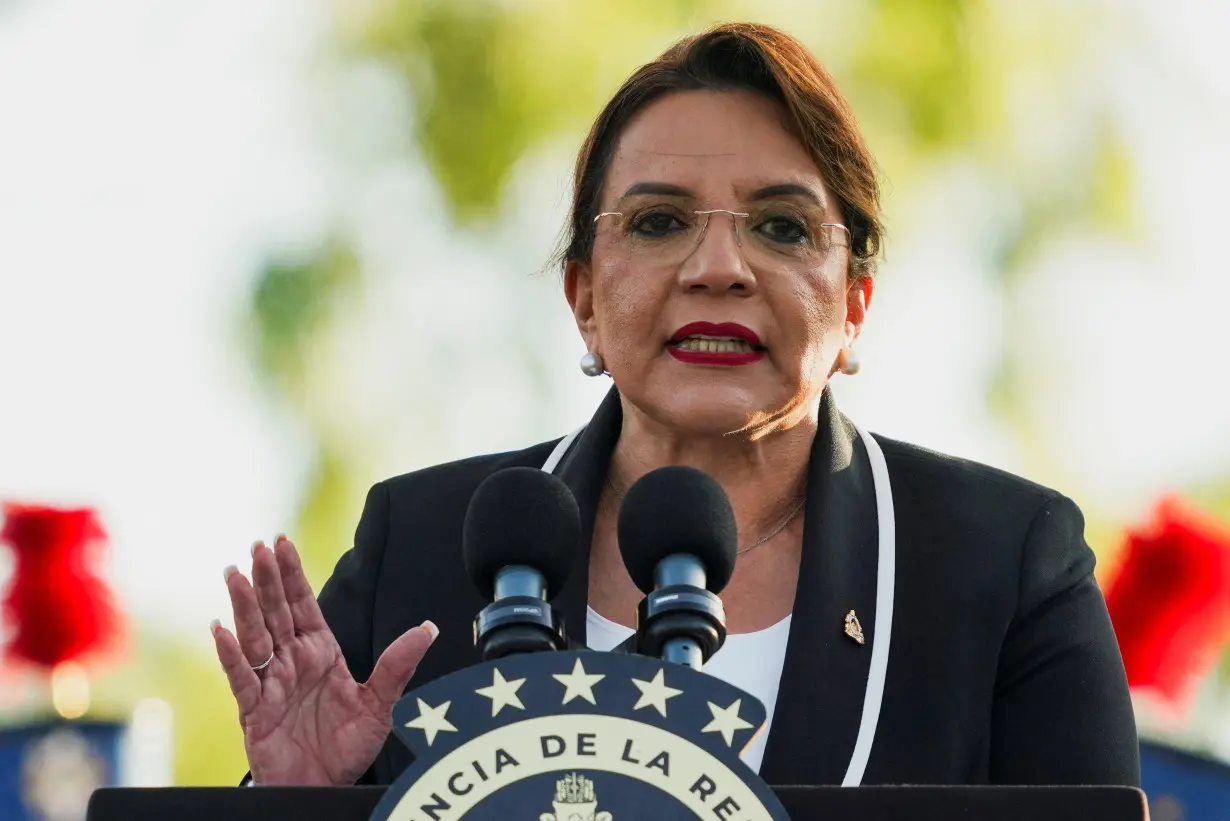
761	474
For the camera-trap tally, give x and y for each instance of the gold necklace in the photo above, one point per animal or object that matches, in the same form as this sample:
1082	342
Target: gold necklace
794	511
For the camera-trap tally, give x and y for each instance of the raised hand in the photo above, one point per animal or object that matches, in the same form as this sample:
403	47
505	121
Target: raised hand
305	719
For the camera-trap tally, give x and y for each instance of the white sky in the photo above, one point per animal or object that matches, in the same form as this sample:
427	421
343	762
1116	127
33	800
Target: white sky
146	151
149	151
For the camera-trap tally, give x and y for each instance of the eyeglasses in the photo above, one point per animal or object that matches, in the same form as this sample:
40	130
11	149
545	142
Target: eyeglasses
773	233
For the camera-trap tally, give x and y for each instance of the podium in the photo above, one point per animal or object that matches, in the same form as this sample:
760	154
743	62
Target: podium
586	736
801	803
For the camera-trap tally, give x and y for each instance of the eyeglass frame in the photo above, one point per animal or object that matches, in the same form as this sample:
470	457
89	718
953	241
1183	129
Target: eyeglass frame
735	217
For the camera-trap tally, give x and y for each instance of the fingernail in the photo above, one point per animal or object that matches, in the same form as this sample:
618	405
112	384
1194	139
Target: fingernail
432	630
228	571
255	545
280	538
214	626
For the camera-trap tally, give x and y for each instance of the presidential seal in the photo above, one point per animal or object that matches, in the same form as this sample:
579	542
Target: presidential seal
497	741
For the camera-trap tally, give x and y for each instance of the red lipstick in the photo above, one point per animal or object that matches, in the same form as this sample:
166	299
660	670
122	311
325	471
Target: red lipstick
728	330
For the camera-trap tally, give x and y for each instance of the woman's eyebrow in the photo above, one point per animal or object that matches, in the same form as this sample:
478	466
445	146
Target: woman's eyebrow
660	188
786	189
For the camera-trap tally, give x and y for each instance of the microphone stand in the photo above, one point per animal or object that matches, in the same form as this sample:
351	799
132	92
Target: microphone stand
519	620
680	622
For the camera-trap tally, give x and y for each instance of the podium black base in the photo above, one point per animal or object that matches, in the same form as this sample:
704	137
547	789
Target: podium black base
802	803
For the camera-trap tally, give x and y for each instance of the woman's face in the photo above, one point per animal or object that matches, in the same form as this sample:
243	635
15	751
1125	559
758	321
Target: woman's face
769	290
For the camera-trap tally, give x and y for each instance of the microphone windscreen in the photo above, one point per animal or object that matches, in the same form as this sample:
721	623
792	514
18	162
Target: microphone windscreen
524	516
677	510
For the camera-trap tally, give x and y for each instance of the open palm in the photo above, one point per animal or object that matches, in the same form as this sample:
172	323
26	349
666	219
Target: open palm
305	719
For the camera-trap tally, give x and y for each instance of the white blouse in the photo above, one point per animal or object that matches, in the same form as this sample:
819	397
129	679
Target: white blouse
750	661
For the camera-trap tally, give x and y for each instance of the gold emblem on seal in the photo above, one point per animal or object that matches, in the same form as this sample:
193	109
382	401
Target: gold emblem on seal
575	801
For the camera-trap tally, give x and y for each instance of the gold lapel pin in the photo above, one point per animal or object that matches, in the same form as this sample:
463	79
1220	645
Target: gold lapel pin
853	629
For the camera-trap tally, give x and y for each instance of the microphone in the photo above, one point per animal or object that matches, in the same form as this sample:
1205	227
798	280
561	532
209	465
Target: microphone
678	539
521	530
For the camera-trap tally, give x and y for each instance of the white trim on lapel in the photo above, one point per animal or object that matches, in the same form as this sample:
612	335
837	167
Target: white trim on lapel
886	576
557	455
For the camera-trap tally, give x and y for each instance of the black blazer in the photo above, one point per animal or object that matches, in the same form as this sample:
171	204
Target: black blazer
1002	665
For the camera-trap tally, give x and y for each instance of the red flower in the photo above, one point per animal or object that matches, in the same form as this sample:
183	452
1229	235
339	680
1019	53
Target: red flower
1169	600
59	609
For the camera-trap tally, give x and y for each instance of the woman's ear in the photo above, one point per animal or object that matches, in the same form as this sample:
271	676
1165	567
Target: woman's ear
858	300
579	290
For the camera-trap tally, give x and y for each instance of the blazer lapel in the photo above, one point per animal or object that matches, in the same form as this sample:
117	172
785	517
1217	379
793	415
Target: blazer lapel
824	678
584	470
820	698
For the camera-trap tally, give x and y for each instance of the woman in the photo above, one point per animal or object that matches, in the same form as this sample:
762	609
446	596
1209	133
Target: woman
722	243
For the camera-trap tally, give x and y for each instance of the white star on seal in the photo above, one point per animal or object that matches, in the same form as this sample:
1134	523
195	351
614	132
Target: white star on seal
502	693
654	693
578	683
431	720
726	721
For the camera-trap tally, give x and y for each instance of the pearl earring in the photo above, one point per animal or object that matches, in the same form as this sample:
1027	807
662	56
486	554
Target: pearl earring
591	364
848	362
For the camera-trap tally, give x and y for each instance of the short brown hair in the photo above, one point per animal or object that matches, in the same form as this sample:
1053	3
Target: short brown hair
767	62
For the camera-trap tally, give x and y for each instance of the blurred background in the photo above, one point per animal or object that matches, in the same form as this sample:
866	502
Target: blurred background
257	256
